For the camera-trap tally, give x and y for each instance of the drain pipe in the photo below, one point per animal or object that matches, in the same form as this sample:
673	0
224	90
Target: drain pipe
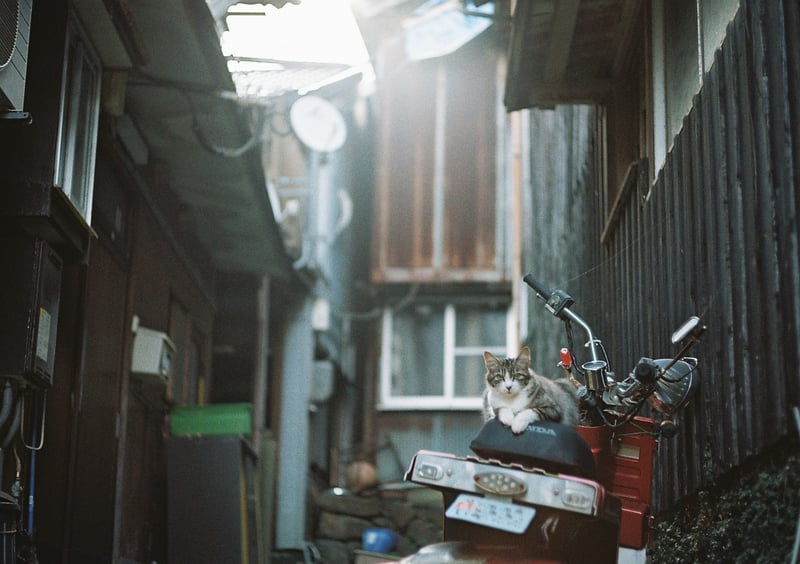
7	439
311	229
13	428
5	411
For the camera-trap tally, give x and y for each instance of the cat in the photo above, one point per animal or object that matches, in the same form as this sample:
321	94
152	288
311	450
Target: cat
518	396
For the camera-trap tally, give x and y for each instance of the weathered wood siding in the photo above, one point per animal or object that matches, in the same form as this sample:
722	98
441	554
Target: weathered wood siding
438	191
555	208
715	235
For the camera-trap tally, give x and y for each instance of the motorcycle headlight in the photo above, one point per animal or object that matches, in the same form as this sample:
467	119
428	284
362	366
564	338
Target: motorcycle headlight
675	387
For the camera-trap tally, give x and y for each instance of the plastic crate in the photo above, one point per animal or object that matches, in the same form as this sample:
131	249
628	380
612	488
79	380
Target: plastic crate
211	419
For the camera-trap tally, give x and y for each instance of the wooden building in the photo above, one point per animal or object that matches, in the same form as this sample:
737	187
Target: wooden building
682	202
124	217
654	150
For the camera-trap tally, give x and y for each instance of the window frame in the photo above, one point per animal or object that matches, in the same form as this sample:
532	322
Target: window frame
709	31
417	235
79	111
448	401
189	370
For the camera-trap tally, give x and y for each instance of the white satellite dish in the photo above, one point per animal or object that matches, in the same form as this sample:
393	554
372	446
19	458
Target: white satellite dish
318	124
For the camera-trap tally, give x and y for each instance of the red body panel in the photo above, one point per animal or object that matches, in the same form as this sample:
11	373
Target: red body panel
624	461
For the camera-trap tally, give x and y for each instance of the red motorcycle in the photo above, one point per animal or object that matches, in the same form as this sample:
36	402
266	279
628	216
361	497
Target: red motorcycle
555	493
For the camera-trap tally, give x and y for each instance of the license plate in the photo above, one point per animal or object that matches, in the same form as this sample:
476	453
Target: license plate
491	513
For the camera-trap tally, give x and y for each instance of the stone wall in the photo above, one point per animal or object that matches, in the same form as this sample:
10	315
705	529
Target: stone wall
342	516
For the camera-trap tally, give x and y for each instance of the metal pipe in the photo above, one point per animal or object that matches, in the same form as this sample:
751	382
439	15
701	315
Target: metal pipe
9	436
5	410
14	427
593	341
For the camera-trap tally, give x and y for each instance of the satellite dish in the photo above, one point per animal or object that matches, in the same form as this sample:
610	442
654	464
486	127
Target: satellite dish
318	124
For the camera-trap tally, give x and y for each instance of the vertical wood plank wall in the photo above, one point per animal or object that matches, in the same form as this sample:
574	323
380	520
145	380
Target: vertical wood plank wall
715	235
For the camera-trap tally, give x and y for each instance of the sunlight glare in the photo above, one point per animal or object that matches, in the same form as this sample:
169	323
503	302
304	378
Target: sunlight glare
317	31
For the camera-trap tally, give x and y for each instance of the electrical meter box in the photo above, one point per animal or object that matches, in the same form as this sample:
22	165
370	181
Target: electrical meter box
29	300
153	353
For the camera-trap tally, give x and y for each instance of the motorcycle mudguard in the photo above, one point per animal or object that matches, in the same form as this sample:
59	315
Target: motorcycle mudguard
553	447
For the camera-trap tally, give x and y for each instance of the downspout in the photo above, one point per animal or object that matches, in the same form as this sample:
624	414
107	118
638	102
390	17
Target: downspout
293	430
76	389
122	405
260	393
260	386
297	361
311	232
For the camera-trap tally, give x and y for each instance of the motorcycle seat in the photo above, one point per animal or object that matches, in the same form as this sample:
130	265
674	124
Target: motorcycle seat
553	447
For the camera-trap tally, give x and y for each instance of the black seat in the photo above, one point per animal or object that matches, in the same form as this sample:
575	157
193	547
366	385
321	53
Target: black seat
553	447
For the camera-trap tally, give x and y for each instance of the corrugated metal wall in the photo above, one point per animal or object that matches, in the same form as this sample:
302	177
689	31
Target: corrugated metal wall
716	235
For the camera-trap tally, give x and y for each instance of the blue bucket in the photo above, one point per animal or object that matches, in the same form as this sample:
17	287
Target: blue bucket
378	540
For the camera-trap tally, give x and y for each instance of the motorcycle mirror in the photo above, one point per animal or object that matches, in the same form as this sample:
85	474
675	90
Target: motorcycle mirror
690	327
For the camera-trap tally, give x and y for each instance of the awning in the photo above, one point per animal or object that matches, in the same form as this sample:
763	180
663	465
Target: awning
182	100
567	51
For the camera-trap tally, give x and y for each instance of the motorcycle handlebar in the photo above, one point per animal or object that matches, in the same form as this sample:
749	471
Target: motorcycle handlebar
647	373
540	289
557	302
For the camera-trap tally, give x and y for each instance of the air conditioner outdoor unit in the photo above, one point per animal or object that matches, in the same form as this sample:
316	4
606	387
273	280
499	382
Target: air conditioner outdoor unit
15	30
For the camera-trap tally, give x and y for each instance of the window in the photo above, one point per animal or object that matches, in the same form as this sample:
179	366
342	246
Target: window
111	207
441	194
188	372
77	137
178	328
433	352
195	381
686	34
673	46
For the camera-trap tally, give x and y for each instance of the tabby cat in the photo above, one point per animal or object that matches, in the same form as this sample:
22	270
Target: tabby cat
518	396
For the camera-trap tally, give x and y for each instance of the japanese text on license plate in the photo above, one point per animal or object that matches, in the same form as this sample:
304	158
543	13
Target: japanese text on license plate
490	513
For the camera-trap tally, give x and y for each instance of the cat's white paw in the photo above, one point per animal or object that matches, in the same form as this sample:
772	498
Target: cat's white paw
506	416
522	420
518	426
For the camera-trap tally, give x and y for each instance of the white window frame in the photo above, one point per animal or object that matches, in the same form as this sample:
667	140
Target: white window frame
711	25
448	400
80	195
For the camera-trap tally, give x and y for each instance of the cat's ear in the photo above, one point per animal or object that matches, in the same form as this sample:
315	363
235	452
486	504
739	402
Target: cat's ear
524	356
490	360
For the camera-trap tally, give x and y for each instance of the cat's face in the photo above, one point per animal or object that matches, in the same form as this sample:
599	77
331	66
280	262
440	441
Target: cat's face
508	376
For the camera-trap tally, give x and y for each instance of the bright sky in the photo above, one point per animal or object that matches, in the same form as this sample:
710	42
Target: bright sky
320	31
326	32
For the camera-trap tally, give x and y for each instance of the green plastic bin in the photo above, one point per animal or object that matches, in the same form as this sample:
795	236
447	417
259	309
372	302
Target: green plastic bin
211	419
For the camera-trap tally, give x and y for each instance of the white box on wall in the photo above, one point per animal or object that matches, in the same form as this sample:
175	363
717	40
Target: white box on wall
153	353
